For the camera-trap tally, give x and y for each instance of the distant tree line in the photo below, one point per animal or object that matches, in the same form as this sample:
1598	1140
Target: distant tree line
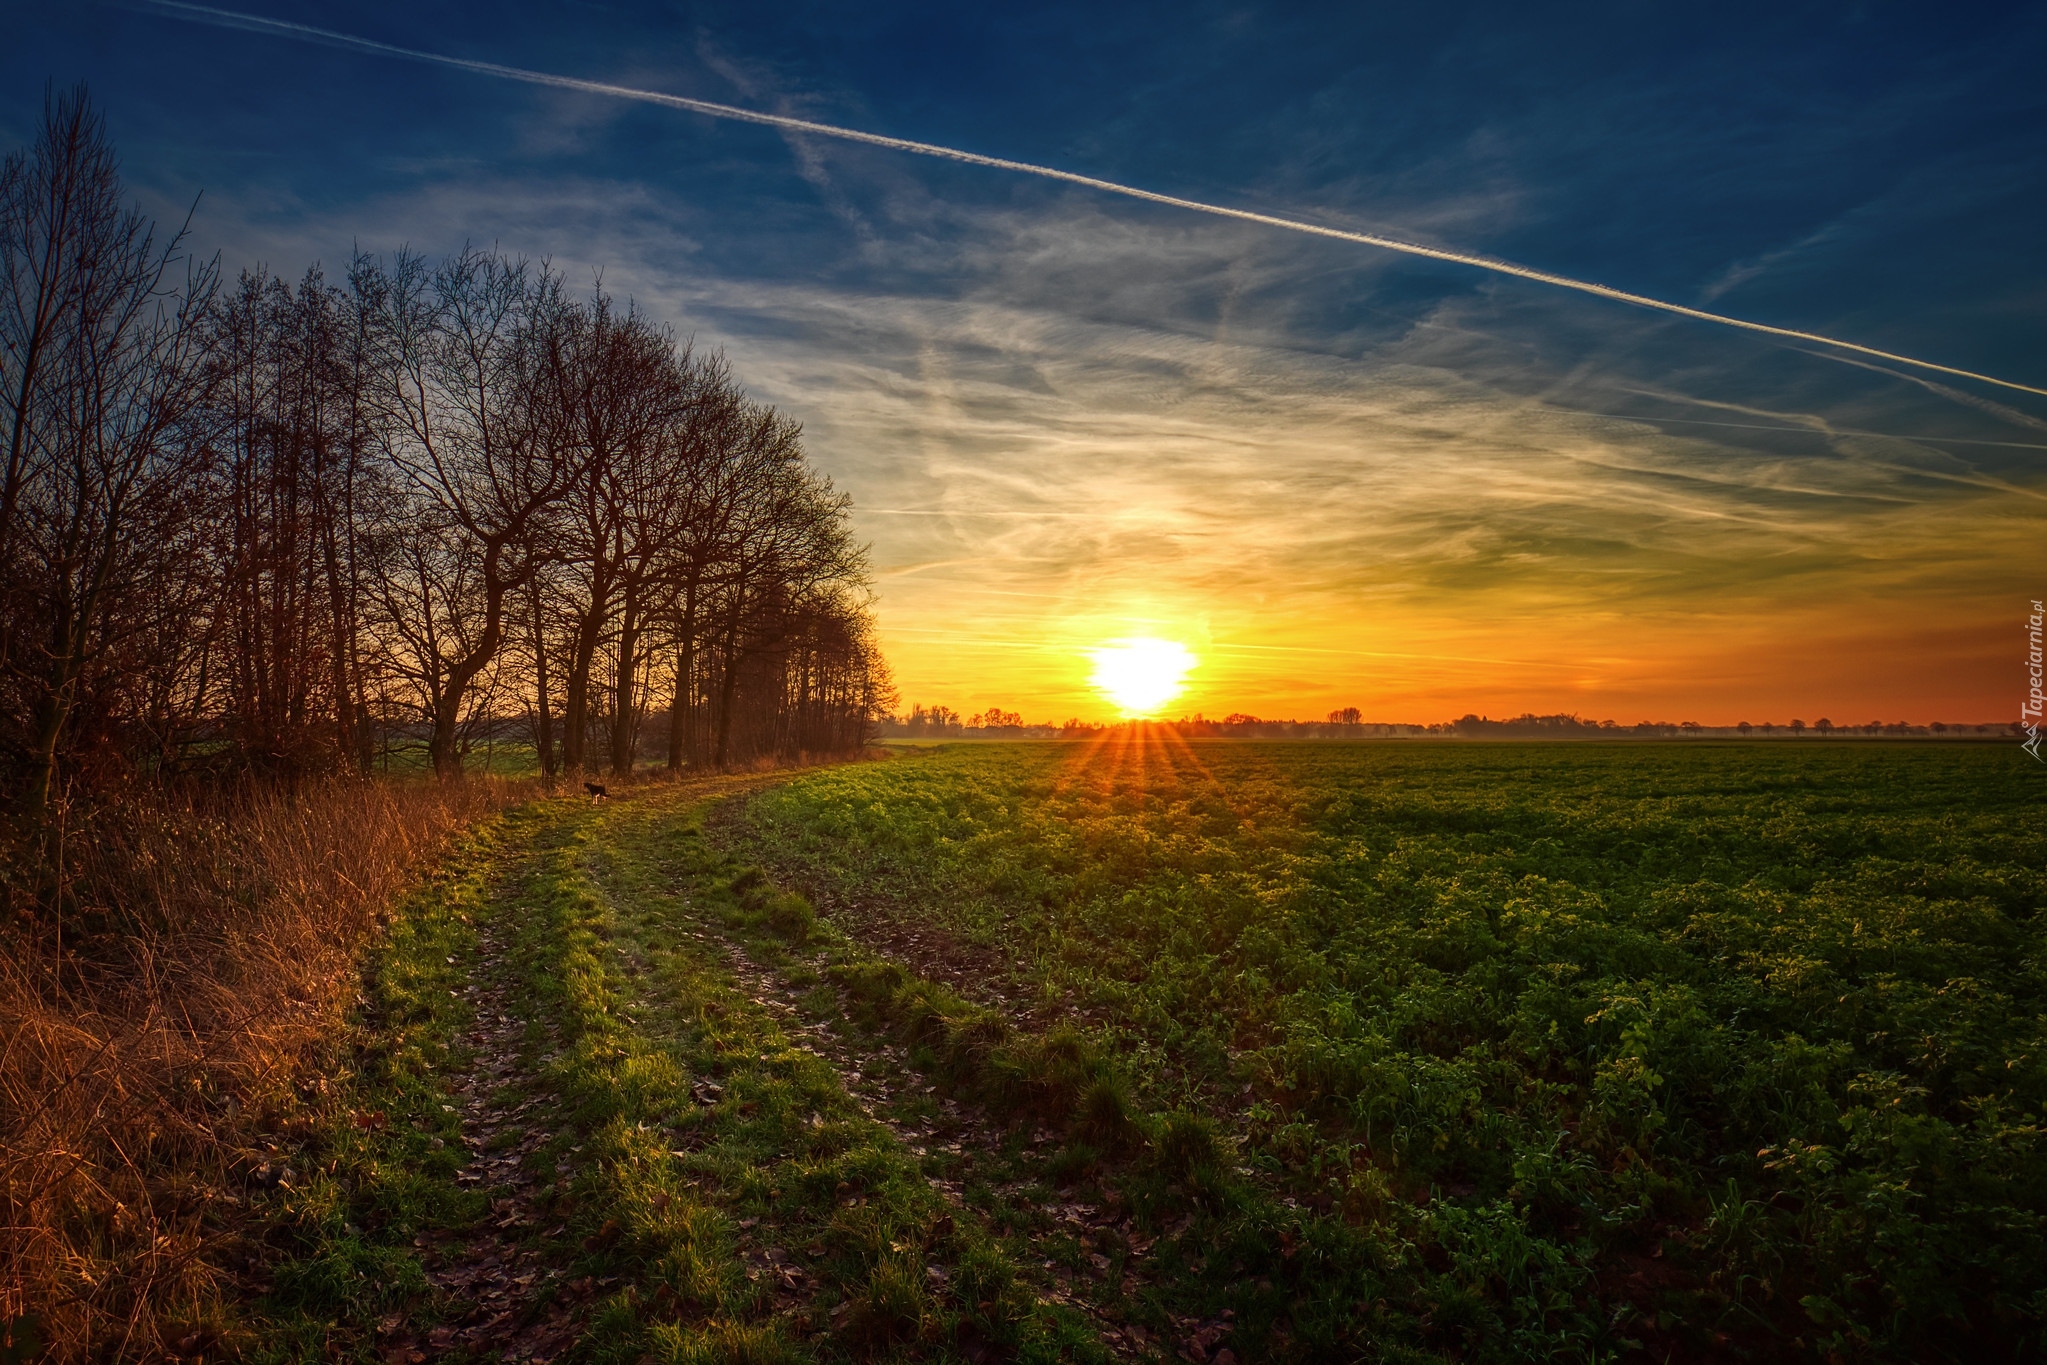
940	722
1569	726
1347	723
288	526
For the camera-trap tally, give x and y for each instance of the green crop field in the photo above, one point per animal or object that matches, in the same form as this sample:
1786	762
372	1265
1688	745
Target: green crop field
1218	1053
1491	1051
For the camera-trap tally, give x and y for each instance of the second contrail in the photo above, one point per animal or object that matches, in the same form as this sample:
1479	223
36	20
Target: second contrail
307	33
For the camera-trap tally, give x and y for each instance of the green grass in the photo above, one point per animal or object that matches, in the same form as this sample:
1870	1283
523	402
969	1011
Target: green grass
379	1173
1522	1050
719	1196
711	1139
498	758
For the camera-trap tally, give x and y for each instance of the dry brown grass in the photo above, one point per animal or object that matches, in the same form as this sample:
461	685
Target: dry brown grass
183	1012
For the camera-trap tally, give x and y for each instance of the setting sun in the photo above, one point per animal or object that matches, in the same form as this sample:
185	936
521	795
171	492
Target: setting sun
1141	675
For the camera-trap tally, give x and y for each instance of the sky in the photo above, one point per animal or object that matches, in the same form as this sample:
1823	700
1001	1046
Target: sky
1338	475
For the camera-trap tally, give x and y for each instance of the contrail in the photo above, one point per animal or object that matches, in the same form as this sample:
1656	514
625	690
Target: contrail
306	32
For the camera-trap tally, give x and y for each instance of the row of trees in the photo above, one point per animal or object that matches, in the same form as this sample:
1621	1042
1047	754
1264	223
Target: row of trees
288	526
940	722
1568	725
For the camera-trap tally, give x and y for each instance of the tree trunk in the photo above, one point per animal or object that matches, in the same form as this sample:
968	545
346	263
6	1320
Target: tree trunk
682	736
448	707
625	709
440	745
727	691
576	702
543	730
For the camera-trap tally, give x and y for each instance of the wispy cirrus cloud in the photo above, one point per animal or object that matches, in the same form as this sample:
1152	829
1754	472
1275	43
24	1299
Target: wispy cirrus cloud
813	128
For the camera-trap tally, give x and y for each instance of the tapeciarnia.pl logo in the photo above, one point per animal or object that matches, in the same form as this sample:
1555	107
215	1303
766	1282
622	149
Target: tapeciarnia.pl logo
2035	699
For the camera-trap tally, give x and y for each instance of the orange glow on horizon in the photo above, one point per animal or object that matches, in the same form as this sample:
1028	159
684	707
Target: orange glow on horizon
1406	668
1510	563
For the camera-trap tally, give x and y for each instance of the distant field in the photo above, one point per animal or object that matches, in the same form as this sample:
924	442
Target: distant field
498	758
1520	1048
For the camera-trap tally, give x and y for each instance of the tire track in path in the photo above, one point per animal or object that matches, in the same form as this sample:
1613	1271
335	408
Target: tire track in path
878	1076
504	1290
503	1298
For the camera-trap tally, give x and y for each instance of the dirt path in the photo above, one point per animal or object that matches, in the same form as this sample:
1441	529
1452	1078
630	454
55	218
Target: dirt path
507	1303
964	1138
967	1140
515	1286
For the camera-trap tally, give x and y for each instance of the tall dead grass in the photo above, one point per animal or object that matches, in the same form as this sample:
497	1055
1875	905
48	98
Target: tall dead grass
175	1016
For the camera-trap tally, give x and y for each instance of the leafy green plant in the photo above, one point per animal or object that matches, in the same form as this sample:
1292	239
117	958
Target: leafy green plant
1576	1046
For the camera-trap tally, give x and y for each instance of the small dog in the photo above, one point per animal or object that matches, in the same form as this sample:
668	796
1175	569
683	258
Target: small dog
597	792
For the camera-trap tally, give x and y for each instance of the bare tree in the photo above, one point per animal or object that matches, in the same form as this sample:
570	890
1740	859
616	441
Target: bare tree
479	344
104	344
263	530
626	399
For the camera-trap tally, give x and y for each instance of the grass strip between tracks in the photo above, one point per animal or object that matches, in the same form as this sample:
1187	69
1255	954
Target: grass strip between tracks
745	1206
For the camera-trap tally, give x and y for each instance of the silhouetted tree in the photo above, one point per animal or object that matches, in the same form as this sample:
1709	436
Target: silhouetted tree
102	329
268	528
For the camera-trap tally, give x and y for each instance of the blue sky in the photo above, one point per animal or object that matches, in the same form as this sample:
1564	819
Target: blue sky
1343	476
